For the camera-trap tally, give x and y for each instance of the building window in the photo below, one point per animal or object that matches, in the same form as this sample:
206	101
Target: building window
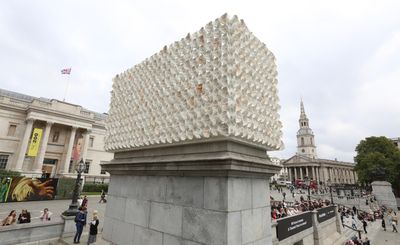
87	166
302	141
56	135
91	140
303	150
11	130
3	161
102	171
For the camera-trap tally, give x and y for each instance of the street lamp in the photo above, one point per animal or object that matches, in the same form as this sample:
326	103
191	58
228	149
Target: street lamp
307	182
330	189
73	207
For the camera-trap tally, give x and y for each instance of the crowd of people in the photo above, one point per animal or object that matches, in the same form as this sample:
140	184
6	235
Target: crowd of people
281	209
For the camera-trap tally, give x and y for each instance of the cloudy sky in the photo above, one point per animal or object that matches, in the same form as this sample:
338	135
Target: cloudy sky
341	57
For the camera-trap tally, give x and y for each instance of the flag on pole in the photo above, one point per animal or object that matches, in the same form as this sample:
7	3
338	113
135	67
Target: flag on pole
66	71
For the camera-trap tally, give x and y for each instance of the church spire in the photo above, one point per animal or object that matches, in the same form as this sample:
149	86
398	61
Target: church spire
305	136
302	111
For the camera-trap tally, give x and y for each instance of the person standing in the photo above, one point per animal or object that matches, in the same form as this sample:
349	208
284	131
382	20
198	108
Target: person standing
93	228
365	226
80	222
383	223
353	223
394	224
85	202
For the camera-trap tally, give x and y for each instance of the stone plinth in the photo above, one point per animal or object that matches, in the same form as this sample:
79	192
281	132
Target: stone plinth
209	193
384	194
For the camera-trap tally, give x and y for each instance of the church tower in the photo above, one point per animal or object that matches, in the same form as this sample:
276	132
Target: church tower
305	136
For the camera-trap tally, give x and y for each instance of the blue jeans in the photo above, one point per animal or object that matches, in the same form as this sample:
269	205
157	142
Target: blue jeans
79	229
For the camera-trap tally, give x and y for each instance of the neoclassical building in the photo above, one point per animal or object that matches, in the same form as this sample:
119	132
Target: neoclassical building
306	163
63	133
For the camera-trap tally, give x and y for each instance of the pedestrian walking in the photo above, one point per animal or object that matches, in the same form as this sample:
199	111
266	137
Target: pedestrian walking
383	223
365	226
394	224
93	228
80	222
103	197
366	241
353	223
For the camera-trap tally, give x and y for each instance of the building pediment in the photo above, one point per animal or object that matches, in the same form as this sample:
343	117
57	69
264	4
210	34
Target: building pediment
296	159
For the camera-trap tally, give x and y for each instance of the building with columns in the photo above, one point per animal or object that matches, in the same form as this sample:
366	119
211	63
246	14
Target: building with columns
307	164
69	133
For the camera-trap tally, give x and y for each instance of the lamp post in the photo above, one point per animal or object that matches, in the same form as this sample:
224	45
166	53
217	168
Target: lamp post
307	182
330	189
73	207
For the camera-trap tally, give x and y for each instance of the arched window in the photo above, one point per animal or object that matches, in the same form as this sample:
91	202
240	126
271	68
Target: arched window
302	141
311	141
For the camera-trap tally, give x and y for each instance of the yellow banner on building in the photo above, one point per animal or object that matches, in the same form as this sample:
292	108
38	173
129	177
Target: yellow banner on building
35	142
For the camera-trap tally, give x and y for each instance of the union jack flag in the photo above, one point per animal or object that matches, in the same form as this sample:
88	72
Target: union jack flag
66	71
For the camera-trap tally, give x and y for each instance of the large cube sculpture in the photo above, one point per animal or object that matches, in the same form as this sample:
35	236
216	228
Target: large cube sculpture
190	127
218	82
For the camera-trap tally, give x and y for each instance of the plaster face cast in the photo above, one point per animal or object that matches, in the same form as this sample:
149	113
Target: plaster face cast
219	82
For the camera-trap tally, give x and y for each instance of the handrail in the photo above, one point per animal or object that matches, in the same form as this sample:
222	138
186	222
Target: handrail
359	231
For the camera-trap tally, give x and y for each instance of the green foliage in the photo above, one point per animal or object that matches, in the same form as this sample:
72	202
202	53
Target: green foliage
65	188
92	187
378	159
9	173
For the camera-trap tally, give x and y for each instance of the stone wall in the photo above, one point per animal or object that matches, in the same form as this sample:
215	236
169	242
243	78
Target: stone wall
169	210
47	233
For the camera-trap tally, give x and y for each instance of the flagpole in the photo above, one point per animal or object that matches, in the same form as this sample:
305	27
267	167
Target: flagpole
66	72
66	89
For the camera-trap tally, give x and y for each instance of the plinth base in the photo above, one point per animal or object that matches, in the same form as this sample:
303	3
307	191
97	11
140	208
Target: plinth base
214	193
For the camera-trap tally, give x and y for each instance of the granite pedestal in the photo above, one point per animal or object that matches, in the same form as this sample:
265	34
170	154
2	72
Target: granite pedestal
203	193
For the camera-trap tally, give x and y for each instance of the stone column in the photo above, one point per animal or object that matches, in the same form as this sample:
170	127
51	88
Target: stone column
37	166
317	170
290	174
86	138
295	173
189	200
301	172
65	166
23	145
307	172
313	173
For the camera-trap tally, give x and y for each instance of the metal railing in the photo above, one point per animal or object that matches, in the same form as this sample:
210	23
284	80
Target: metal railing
359	231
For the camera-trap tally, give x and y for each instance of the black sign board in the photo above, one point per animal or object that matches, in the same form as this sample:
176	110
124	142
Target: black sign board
324	214
292	225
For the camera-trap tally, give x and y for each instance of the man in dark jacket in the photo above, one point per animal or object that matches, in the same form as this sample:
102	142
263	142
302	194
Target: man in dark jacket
80	221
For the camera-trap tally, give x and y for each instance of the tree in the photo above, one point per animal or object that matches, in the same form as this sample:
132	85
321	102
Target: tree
378	159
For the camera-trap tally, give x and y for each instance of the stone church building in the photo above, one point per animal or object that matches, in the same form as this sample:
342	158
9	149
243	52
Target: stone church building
307	164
